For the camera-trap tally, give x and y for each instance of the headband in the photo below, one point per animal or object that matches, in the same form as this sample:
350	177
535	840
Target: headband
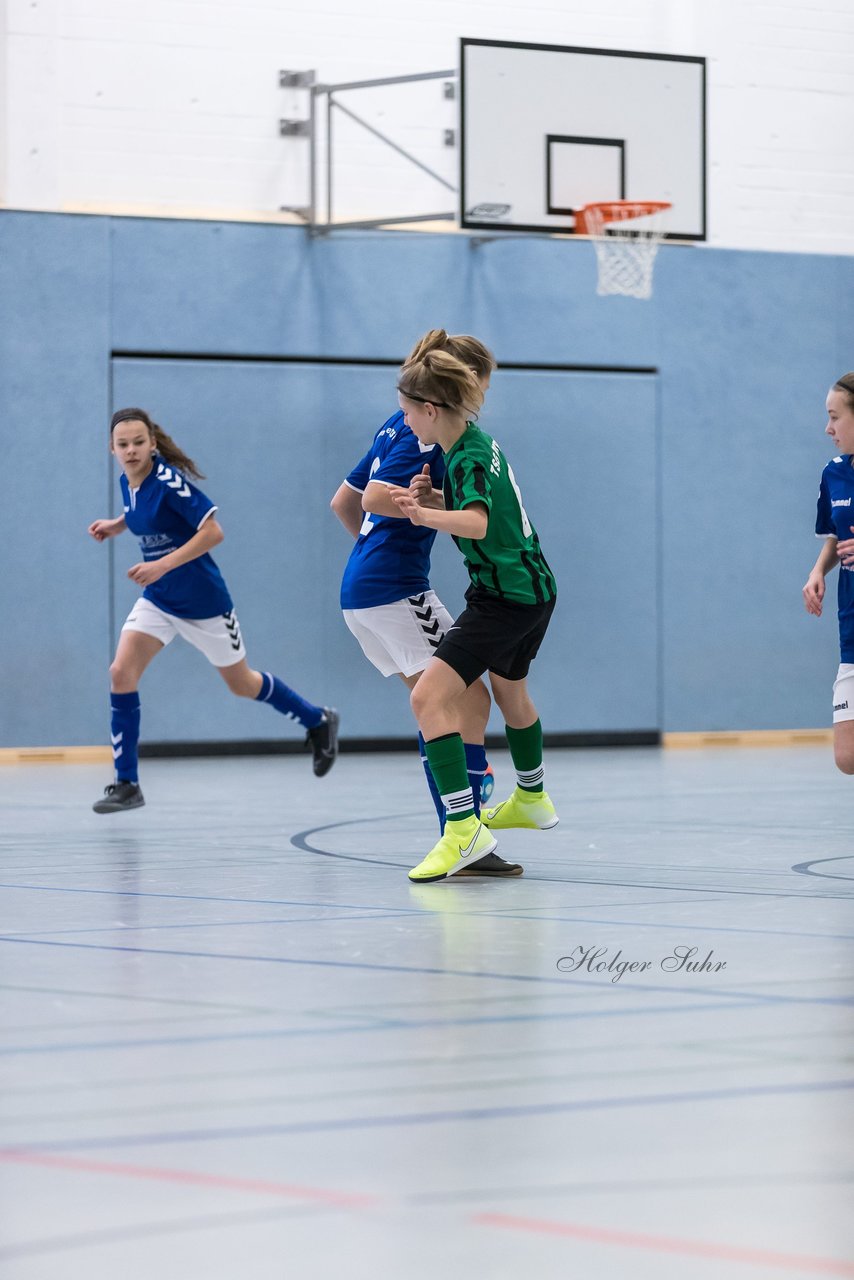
127	415
437	404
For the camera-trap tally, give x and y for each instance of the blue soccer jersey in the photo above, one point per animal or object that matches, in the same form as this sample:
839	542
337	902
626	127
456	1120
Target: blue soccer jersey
835	518
391	558
164	513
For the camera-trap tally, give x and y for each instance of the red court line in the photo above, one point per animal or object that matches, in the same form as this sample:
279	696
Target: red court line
190	1178
668	1244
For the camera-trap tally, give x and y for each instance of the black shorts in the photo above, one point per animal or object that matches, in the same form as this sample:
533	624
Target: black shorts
494	635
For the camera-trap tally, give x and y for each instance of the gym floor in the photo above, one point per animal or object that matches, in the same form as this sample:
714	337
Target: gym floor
236	1041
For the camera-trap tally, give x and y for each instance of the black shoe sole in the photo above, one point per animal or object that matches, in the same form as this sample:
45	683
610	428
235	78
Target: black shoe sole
493	865
100	807
323	763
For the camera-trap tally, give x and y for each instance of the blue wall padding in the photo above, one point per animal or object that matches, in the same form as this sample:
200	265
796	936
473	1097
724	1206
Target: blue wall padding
676	506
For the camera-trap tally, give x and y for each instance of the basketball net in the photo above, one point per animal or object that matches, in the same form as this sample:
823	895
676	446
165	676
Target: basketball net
626	235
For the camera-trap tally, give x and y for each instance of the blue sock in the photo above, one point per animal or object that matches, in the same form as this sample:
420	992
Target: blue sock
289	703
124	733
476	766
431	783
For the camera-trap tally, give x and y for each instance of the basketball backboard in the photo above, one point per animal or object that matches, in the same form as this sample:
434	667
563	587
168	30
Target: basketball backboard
546	129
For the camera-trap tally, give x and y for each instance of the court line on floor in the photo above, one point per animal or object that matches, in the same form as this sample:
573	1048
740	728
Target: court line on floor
90	1024
146	1230
806	868
301	841
422	1118
202	897
126	998
384	1090
207	924
667	1244
632	1186
297	1033
314	1067
504	914
190	1178
748	997
536	914
165	1227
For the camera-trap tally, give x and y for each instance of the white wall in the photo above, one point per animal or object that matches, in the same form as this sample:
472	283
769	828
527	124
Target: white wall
172	106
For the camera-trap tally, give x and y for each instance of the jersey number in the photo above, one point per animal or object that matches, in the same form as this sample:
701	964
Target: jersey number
367	523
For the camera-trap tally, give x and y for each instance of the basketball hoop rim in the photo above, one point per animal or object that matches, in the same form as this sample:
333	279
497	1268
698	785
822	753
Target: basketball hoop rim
620	211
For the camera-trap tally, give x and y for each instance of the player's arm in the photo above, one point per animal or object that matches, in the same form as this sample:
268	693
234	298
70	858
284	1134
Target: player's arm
205	539
347	506
380	496
101	529
471	522
377	500
814	587
420	489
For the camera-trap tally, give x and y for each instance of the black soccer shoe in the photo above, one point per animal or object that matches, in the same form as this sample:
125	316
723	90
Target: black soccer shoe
491	865
119	796
323	741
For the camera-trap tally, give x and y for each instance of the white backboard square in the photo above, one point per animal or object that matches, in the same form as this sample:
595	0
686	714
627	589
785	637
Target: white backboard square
546	128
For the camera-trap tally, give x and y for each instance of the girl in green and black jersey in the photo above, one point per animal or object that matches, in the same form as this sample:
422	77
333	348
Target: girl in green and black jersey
510	602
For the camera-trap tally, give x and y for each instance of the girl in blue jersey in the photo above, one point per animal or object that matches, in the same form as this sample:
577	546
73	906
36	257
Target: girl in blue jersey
386	597
835	523
183	594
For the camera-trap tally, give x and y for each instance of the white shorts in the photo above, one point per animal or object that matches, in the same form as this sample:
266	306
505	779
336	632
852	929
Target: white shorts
400	638
843	693
218	638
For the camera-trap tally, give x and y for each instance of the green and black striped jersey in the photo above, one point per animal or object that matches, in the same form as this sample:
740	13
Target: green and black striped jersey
507	561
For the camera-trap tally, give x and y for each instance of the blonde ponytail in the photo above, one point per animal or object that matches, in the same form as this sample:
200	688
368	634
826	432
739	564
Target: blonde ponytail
469	350
441	379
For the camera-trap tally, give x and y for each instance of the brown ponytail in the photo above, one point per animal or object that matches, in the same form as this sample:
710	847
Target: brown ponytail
166	446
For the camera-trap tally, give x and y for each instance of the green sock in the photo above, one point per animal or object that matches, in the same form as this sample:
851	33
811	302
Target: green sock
446	757
526	748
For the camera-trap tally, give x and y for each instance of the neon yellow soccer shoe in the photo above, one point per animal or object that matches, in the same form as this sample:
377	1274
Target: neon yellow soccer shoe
530	809
462	844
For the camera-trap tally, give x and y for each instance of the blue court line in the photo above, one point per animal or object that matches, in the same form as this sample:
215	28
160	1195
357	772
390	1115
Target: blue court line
38	934
466	1114
580	881
203	897
367	966
420	911
536	915
806	868
376	1024
148	1230
301	840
